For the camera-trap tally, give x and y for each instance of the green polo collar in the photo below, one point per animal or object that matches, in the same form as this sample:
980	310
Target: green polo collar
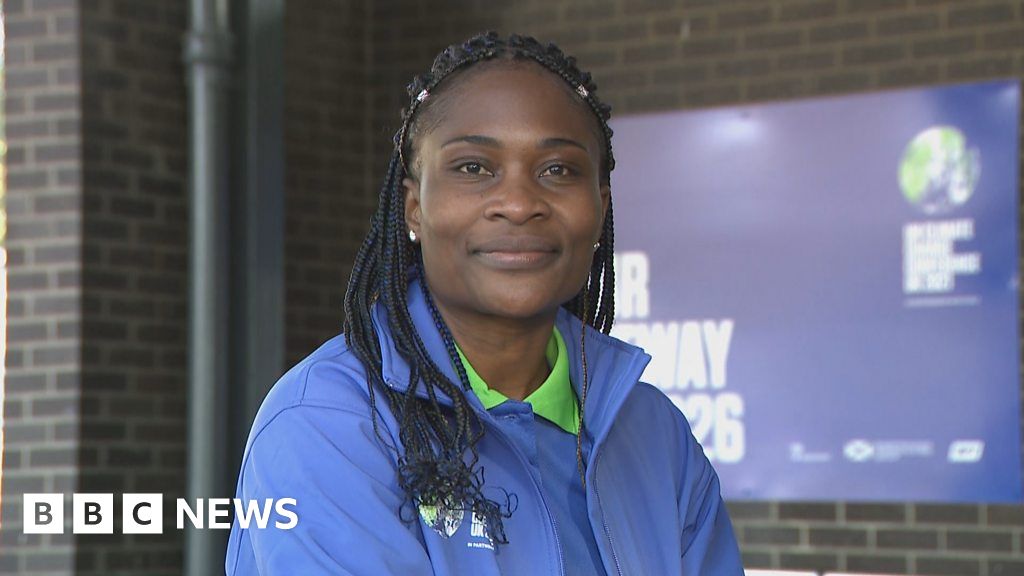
555	400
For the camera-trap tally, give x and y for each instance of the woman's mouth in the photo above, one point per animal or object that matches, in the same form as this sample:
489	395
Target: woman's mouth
517	252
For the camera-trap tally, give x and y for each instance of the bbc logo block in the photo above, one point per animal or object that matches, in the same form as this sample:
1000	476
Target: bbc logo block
93	514
142	514
43	514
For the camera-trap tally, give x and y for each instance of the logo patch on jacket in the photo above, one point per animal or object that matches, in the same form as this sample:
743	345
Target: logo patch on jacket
445	519
480	537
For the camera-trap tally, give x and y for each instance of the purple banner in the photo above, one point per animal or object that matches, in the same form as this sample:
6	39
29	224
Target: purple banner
829	289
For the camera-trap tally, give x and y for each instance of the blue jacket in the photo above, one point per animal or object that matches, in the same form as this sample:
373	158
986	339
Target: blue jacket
653	497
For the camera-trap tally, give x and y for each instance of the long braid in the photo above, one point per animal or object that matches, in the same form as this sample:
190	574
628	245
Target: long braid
435	440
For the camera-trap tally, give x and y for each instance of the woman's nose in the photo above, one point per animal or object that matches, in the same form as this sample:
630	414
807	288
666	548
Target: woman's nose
518	198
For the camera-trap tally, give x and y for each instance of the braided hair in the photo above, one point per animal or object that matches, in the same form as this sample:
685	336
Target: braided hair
433	470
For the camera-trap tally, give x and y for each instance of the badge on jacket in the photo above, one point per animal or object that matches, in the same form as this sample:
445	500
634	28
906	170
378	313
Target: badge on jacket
445	518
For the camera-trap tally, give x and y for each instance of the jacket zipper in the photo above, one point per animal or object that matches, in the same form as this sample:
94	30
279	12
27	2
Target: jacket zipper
540	490
604	517
596	452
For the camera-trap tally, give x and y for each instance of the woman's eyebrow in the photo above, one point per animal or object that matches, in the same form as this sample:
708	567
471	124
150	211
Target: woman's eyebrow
474	139
556	142
490	142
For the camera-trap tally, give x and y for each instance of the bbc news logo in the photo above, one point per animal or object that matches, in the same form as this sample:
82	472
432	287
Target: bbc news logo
143	513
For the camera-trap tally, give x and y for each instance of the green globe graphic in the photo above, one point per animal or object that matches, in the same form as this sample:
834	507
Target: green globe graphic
445	519
938	172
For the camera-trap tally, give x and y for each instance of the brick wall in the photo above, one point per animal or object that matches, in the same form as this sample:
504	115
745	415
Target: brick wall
44	196
97	237
135	271
651	55
328	172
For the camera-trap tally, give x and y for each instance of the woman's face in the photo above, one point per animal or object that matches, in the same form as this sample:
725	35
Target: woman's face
508	202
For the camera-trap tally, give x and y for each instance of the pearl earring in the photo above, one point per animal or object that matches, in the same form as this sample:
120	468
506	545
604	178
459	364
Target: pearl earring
412	236
596	246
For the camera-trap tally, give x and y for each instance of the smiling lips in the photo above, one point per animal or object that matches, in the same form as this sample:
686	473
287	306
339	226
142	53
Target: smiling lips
517	252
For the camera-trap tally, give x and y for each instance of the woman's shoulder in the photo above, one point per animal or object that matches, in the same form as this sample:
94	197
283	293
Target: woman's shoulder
649	397
330	377
648	406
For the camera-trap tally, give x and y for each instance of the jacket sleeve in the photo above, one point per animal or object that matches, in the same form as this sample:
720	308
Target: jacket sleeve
347	498
708	542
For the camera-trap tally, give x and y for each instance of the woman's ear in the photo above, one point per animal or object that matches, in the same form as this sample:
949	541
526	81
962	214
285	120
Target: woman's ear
412	204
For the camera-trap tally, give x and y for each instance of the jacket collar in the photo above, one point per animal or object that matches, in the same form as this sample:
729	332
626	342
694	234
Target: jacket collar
613	367
554	400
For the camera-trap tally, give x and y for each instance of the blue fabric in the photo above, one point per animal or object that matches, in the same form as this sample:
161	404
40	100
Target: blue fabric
567	500
551	452
653	499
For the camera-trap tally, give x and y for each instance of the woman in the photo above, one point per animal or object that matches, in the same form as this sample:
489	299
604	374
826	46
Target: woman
474	417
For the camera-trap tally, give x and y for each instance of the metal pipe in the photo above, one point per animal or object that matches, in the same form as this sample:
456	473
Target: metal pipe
208	58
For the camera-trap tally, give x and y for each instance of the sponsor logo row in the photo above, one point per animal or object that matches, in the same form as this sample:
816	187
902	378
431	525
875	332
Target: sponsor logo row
859	450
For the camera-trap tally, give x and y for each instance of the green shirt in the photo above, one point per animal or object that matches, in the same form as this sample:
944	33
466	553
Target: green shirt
555	400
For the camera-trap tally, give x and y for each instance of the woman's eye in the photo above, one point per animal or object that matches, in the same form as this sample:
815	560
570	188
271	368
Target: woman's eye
473	168
557	170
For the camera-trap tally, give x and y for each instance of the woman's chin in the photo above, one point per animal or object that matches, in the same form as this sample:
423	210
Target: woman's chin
510	296
524	305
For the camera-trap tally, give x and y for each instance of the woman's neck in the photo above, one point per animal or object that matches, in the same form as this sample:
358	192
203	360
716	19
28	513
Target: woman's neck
509	354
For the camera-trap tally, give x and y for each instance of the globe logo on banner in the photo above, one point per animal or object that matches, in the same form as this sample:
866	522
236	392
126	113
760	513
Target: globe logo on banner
938	171
858	450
